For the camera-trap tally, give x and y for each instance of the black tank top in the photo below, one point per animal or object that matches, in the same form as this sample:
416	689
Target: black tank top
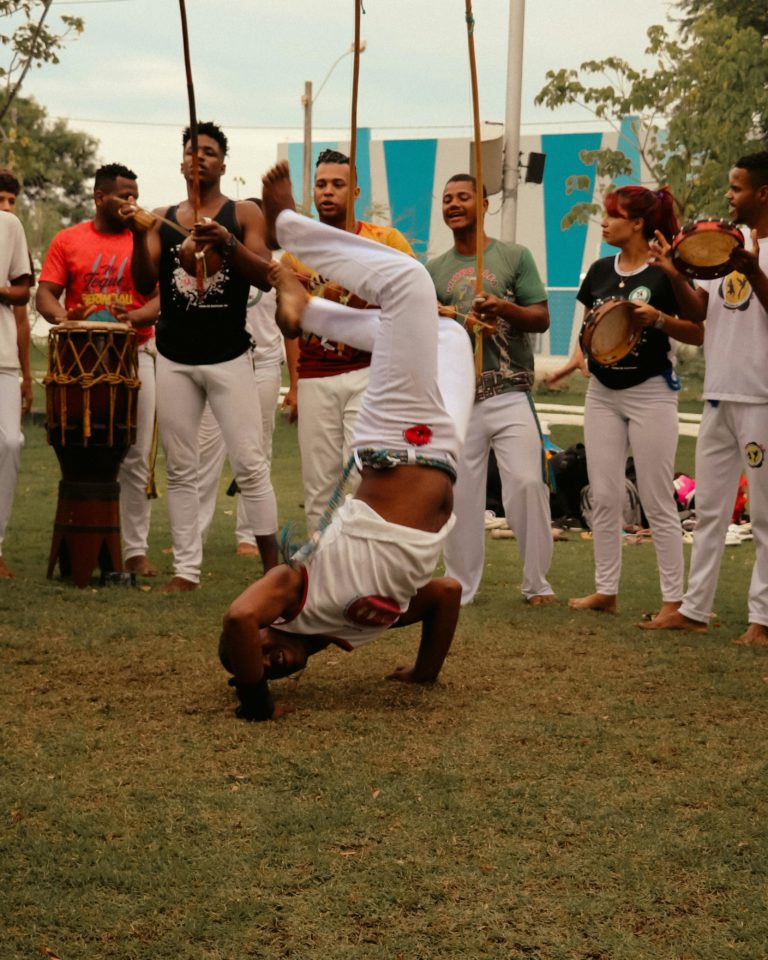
196	329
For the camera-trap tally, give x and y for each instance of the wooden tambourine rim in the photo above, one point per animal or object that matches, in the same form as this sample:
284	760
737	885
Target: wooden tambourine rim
592	321
701	228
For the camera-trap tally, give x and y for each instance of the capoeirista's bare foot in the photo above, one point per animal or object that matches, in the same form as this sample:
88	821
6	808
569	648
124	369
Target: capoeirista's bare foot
604	602
291	299
651	621
276	196
141	567
756	636
674	621
541	599
246	549
5	572
179	585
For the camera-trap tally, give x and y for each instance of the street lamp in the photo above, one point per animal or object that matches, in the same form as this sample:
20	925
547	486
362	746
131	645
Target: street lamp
306	101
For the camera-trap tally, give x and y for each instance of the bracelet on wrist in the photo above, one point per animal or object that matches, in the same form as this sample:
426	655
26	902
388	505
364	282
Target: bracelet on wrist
660	321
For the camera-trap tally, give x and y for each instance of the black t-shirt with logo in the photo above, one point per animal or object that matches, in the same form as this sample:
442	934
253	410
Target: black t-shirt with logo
650	356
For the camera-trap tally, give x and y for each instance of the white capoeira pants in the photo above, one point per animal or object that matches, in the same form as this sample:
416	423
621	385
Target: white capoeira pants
231	390
403	388
11	442
507	424
733	438
328	409
213	452
135	507
643	418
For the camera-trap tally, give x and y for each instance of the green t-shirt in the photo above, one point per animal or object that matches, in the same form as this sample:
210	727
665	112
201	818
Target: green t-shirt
509	272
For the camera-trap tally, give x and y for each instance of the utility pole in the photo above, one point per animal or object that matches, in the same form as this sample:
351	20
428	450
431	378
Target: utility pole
512	120
306	101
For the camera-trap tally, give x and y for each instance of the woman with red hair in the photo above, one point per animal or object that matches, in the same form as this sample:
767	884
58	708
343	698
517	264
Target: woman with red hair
633	402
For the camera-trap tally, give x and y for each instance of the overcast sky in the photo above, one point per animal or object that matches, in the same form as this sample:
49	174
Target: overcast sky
123	79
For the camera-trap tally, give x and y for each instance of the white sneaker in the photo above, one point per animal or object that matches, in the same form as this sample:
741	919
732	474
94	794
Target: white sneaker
732	538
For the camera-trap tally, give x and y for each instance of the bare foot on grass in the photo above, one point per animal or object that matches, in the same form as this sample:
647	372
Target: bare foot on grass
141	567
5	572
674	621
179	585
246	549
756	636
541	599
653	621
276	195
602	602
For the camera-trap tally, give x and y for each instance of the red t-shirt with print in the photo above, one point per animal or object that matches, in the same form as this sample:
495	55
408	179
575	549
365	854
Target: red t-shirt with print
95	268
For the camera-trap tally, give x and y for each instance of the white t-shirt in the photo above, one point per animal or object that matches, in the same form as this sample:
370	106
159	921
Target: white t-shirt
736	338
363	576
260	320
14	263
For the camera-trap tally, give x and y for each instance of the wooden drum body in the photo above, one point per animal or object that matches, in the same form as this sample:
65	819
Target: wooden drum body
91	392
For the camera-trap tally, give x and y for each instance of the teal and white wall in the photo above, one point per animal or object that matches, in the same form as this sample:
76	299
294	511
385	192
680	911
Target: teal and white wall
401	182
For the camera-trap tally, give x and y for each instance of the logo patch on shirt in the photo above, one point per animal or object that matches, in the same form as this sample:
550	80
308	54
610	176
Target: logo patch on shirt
735	291
372	611
643	294
418	435
755	454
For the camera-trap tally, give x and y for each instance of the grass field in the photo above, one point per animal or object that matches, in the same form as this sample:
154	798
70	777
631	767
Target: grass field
571	789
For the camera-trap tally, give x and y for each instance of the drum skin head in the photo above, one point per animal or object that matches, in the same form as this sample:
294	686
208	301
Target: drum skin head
702	250
610	331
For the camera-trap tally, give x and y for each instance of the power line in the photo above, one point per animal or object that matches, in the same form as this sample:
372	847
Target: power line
297	128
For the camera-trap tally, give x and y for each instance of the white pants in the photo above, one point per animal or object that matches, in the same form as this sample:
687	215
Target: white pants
403	389
328	409
507	424
733	439
135	506
643	418
11	442
229	387
213	452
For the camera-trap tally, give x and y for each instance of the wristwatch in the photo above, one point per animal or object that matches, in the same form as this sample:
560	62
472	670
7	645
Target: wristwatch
659	321
230	244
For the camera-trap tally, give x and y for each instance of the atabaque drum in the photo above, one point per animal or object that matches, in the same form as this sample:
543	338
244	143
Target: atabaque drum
703	248
91	391
610	331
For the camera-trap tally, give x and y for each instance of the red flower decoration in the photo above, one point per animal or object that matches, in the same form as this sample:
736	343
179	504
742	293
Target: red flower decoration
418	435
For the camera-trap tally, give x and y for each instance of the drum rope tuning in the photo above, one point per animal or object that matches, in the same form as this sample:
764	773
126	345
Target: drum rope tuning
110	364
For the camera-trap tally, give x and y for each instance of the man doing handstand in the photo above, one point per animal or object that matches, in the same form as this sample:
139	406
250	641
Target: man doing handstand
372	565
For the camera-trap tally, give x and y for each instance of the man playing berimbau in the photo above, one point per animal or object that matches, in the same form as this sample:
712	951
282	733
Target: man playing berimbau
371	567
204	349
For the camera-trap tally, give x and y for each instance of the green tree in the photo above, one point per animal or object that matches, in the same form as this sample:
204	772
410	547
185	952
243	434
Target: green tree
29	41
748	13
693	114
55	165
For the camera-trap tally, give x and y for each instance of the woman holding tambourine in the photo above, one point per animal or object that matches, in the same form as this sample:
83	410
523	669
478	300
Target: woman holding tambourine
632	402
